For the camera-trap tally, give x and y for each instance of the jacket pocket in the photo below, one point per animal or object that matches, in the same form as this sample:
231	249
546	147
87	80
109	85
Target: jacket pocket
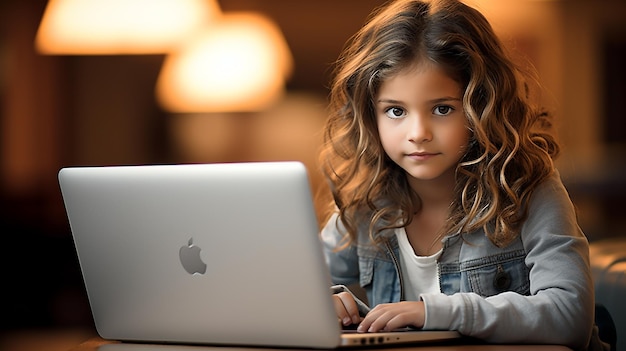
366	271
494	274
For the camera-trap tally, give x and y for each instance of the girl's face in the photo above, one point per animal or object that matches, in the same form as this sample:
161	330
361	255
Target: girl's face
421	122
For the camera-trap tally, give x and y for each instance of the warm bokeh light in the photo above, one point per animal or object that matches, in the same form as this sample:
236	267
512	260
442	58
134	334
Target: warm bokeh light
80	27
239	63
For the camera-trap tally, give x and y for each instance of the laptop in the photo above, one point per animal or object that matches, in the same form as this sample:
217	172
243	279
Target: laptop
218	254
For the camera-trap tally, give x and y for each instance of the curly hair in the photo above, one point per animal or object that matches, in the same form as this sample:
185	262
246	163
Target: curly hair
511	149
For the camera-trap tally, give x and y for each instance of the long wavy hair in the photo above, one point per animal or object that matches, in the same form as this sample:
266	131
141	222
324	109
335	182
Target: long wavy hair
511	149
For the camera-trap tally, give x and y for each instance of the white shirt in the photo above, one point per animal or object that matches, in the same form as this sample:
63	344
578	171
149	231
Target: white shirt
419	272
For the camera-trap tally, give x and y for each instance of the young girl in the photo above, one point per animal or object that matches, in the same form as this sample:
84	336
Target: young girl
447	207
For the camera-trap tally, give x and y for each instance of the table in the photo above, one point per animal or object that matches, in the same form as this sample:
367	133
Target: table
99	344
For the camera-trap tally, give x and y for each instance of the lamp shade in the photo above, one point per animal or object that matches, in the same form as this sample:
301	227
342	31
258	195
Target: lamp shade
237	64
83	27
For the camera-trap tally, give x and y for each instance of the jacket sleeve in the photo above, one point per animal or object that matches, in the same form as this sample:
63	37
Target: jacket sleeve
343	263
560	307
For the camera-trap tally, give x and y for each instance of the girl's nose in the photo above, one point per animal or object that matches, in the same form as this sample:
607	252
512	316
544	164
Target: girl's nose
420	130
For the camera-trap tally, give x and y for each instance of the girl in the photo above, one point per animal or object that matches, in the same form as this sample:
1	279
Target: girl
447	207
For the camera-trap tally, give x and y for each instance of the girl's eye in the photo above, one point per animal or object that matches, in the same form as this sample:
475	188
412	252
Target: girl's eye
394	112
442	110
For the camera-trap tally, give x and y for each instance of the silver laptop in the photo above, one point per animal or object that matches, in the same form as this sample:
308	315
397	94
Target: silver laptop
207	254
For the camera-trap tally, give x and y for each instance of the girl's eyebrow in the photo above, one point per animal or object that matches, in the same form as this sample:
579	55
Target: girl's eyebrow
445	99
388	101
433	101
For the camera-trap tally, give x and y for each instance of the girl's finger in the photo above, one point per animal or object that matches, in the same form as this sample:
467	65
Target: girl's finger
346	308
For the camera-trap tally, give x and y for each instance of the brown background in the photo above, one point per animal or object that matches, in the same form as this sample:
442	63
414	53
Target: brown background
58	111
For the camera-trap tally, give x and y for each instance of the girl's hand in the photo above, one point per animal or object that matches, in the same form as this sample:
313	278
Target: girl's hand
346	308
390	316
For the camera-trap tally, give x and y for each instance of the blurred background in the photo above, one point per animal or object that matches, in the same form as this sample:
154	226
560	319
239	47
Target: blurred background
60	106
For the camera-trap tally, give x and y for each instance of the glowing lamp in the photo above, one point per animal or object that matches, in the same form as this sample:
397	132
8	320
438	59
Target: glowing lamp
83	27
237	64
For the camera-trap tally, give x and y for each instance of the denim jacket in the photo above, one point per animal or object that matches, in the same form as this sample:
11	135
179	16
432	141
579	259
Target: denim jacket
538	289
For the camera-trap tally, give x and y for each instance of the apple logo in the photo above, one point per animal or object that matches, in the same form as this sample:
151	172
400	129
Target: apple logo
190	258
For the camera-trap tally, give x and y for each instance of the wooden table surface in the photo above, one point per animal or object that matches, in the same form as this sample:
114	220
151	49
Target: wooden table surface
99	344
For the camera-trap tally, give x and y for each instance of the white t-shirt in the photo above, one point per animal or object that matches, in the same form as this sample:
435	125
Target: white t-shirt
420	273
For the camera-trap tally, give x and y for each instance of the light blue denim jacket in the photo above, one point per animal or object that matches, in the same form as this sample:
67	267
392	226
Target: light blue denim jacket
538	289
